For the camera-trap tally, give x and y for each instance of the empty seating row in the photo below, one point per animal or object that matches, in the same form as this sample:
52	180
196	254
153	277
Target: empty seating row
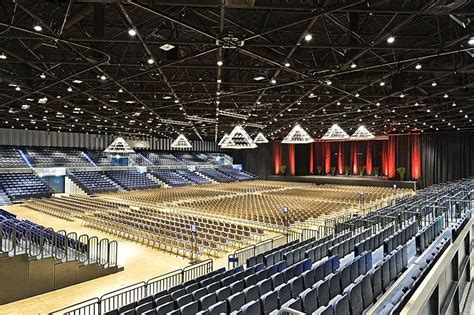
24	185
57	157
93	182
375	241
194	177
10	157
171	177
426	236
346	247
236	174
216	175
400	237
321	250
131	179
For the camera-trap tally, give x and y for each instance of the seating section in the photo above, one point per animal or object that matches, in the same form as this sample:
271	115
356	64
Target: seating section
426	236
171	177
100	158
131	179
236	174
191	158
24	185
11	158
57	157
161	158
400	237
216	175
93	182
194	177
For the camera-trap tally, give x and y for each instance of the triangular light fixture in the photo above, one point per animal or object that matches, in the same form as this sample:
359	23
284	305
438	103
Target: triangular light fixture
297	135
335	133
181	143
239	139
362	133
119	146
260	138
224	139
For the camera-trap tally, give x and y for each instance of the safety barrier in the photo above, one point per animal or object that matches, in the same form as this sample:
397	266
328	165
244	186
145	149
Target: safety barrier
20	238
132	293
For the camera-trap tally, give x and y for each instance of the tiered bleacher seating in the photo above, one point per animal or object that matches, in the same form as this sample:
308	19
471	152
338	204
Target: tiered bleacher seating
10	157
191	158
100	158
131	179
23	185
194	177
236	174
216	175
57	157
93	182
171	177
161	158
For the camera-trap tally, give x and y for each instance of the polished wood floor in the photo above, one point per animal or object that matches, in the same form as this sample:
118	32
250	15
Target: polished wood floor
141	263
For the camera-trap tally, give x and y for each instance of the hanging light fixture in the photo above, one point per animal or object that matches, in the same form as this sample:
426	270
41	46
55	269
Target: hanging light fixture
260	138
362	133
119	146
239	139
224	139
335	133
297	135
181	143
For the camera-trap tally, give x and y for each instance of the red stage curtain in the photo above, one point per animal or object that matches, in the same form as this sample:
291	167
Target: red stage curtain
368	161
415	157
327	157
277	156
355	159
291	158
311	159
385	158
391	158
340	160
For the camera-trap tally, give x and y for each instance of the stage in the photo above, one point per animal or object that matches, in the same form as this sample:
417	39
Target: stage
346	180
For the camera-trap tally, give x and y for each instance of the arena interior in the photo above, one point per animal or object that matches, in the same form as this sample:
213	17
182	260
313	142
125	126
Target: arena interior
236	157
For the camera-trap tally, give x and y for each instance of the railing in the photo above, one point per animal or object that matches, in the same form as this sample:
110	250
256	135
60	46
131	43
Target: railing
132	293
18	238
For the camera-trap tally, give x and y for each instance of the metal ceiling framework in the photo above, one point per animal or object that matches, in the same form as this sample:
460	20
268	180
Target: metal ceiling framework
98	78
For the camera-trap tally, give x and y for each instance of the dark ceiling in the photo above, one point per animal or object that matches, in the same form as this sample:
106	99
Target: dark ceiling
348	73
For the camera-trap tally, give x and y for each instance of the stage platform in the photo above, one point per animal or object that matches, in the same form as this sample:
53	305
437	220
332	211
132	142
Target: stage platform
346	180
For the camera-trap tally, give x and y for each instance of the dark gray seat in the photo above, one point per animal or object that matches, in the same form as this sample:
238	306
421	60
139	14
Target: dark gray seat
190	308
309	300
236	301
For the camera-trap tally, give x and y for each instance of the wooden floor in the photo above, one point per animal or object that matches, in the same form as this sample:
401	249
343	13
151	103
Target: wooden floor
141	263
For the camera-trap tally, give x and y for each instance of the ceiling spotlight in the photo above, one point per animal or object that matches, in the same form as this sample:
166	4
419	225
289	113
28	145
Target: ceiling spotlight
382	83
434	83
219	81
151	61
428	110
103	77
132	32
418	66
90	99
402	95
445	95
273	81
390	39
69	89
287	64
176	101
357	95
37	28
454	104
17	88
308	37
42	76
377	104
338	103
120	91
328	82
471	41
220	63
3	56
353	65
